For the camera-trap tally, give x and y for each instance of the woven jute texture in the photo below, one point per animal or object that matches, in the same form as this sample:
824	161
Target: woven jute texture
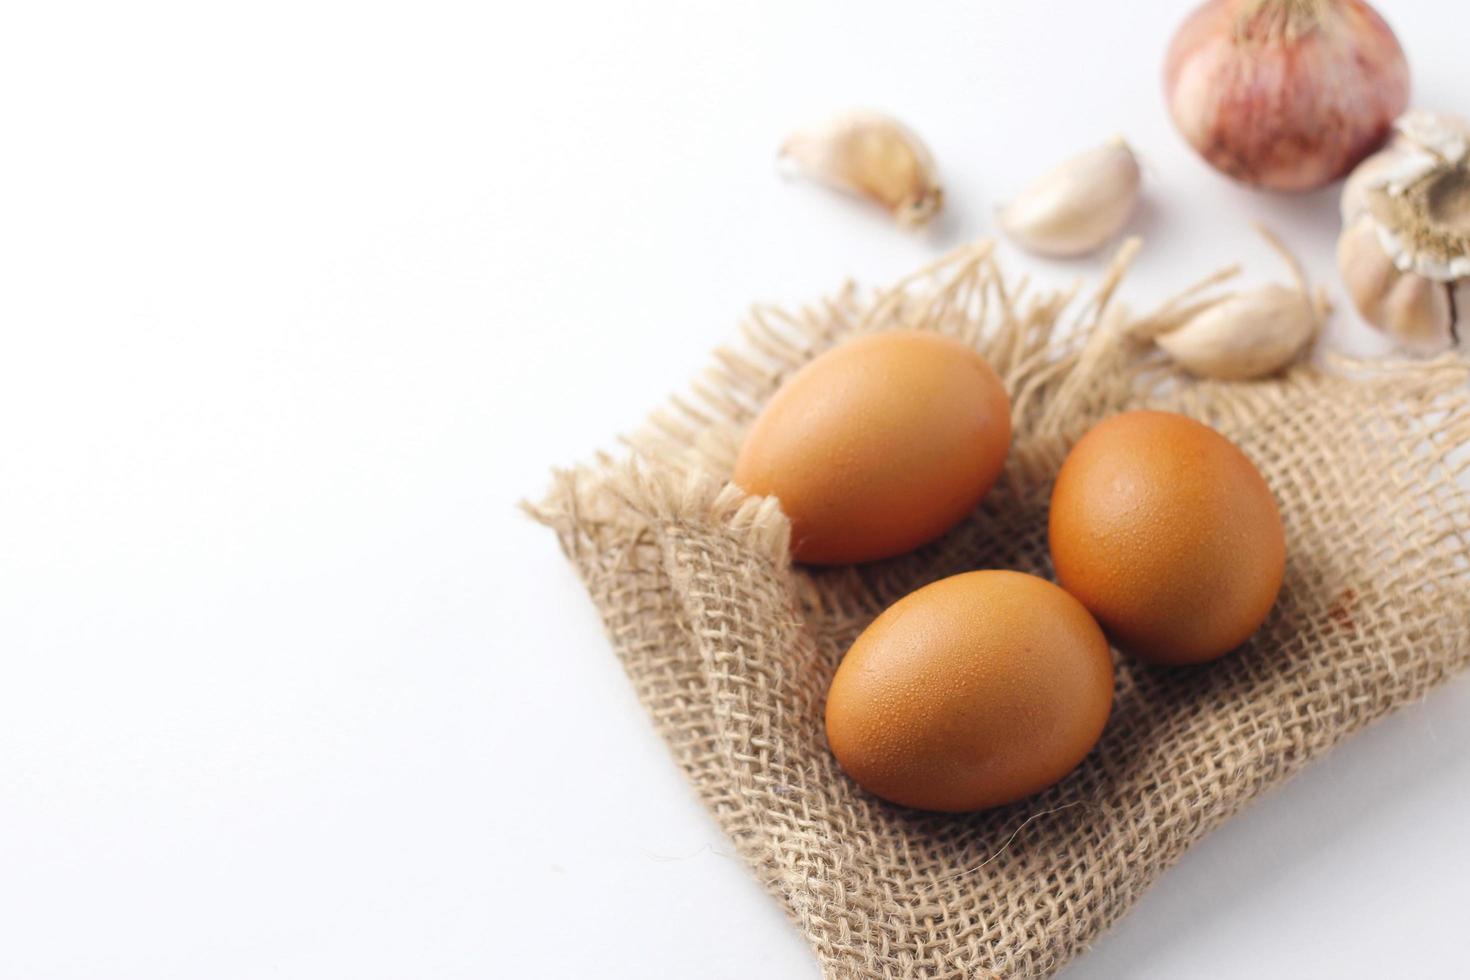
731	648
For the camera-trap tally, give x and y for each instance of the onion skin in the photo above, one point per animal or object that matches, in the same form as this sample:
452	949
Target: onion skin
1288	95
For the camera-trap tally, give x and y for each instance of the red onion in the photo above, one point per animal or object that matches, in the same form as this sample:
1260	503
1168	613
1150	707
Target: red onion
1285	94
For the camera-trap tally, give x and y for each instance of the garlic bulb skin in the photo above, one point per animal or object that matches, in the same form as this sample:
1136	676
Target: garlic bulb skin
873	156
1404	251
1079	206
1285	94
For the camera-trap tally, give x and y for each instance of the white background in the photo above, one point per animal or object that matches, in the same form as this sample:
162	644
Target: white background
297	300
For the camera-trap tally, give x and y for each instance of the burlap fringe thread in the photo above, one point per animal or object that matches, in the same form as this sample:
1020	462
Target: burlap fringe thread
731	648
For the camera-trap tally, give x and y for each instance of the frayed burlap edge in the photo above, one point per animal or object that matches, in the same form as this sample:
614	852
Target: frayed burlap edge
730	648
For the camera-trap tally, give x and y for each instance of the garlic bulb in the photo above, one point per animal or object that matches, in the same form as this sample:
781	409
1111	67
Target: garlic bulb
872	156
1077	207
1243	335
1285	94
1404	252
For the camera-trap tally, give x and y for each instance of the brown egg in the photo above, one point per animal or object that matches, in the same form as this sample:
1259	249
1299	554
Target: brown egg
879	445
975	691
1168	534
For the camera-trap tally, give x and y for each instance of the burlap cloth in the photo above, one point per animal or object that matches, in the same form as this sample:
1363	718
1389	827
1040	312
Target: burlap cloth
731	648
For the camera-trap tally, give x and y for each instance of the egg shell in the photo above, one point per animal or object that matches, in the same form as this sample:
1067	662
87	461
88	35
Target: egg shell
975	691
879	445
1169	535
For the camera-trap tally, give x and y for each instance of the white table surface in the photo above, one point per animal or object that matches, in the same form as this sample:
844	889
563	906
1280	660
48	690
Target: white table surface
298	299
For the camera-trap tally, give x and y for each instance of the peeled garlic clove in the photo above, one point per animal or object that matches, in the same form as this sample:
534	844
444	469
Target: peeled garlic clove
1078	206
872	156
1248	335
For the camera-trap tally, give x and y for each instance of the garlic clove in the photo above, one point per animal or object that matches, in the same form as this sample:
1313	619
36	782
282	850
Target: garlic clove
1367	271
873	156
1248	335
1241	335
1417	312
1078	206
